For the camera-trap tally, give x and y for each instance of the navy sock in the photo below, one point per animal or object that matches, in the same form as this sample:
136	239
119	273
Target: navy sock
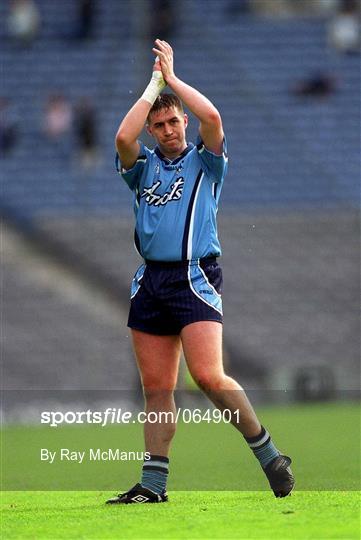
155	473
263	447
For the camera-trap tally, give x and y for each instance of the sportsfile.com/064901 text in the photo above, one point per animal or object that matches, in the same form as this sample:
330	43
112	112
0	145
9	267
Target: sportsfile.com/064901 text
113	415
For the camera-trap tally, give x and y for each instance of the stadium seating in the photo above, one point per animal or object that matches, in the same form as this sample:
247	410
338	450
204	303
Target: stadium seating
288	220
283	151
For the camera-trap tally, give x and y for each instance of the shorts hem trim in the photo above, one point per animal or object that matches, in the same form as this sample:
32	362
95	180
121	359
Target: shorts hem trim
152	332
202	320
155	333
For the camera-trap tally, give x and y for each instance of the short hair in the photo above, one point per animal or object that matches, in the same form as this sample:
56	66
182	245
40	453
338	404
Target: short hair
165	102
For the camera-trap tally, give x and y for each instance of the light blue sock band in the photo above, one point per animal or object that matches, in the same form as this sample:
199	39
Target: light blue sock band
155	474
263	448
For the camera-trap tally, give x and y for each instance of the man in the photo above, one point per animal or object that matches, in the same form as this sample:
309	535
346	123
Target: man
176	294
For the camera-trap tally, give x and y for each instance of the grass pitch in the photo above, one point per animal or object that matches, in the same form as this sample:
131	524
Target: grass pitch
188	515
323	441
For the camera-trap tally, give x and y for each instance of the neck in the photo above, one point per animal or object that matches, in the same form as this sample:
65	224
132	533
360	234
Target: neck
172	155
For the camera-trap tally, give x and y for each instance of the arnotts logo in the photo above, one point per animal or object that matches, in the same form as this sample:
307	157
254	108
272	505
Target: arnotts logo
151	197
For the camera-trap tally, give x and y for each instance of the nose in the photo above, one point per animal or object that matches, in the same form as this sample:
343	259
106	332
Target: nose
168	129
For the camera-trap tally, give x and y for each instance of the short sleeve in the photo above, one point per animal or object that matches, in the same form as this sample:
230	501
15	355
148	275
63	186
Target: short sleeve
132	176
216	165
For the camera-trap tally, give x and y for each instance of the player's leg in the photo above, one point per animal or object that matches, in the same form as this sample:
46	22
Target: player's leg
202	346
158	362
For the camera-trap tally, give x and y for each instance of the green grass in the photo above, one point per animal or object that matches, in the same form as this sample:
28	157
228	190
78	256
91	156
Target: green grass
323	440
312	515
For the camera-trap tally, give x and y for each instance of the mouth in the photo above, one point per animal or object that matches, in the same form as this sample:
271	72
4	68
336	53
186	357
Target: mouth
174	139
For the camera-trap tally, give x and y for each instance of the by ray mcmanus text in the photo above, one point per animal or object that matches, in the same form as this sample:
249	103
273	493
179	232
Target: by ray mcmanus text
91	454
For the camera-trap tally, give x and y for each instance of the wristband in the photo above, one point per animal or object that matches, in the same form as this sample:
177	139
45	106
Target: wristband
154	88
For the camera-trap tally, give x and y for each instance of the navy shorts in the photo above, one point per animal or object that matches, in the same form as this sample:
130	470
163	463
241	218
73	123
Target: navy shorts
166	296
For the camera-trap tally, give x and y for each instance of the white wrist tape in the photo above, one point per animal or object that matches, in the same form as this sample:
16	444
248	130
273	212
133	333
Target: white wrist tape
154	88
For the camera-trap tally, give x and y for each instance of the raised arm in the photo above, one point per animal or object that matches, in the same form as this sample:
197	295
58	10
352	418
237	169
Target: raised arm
126	139
210	128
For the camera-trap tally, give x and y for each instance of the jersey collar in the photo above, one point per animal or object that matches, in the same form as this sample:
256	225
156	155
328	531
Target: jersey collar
168	161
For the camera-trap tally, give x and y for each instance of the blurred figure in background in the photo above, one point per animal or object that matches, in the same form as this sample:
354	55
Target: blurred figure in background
58	117
344	29
57	127
161	19
86	133
85	25
319	85
8	127
24	21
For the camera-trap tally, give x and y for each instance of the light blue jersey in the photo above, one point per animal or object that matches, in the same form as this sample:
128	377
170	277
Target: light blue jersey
176	202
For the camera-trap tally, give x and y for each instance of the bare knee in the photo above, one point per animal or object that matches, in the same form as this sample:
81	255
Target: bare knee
158	396
154	383
209	382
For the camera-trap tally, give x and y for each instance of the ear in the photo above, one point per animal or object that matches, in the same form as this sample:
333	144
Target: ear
148	129
185	120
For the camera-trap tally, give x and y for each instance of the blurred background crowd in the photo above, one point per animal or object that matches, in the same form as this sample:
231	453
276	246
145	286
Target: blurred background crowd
285	75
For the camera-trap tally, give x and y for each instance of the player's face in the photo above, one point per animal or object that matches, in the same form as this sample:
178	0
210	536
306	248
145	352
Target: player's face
168	127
